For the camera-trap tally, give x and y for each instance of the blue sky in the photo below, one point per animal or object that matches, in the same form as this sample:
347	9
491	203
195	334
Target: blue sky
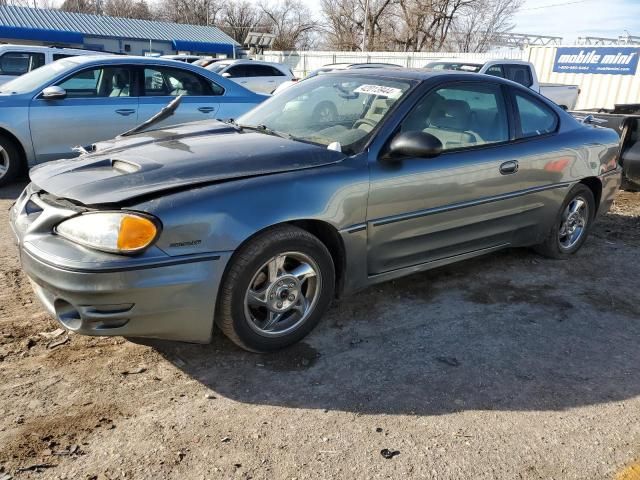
570	19
576	18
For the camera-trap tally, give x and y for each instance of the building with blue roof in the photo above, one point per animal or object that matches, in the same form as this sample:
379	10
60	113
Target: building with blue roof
112	34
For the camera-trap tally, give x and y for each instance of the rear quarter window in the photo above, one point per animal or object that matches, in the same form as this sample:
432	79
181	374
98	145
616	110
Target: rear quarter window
535	118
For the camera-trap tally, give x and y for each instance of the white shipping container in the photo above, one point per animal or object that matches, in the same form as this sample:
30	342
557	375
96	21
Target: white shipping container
596	90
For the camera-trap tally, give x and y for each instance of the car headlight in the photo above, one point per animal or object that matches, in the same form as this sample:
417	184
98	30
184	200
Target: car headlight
116	232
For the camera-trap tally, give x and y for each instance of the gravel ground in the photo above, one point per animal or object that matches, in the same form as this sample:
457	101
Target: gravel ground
508	366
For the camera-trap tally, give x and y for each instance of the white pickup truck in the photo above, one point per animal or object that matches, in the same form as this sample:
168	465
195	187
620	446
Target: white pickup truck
16	60
518	71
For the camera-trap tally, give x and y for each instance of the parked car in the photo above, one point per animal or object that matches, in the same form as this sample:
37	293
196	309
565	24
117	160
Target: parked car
81	100
332	67
183	58
257	224
16	60
517	71
263	77
625	120
206	61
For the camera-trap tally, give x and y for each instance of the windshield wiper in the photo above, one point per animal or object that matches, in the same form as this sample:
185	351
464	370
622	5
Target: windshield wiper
264	129
163	114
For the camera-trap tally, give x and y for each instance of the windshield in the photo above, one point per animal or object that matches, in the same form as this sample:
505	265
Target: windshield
36	78
217	67
464	67
330	108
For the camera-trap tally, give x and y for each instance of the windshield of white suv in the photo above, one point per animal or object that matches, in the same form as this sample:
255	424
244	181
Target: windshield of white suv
332	109
36	78
461	66
217	67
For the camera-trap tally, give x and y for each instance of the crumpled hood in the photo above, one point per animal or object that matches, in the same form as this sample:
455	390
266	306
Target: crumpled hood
181	156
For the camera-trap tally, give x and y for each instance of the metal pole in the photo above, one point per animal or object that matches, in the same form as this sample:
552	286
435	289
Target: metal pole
366	20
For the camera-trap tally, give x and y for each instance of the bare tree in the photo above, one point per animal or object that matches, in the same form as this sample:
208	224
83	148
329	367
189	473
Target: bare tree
292	23
239	18
416	25
79	6
476	30
193	12
127	9
378	28
342	24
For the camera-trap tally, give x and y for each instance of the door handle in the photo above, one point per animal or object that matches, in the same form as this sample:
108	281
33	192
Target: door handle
125	112
206	109
244	81
509	167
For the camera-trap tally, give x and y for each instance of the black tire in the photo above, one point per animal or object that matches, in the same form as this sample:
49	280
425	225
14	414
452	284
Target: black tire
629	186
243	266
329	109
552	247
11	162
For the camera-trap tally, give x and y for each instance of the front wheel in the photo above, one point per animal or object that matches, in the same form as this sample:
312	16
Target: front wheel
276	289
572	224
10	161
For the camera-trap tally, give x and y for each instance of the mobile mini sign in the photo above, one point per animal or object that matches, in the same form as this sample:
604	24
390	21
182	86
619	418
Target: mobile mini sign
599	60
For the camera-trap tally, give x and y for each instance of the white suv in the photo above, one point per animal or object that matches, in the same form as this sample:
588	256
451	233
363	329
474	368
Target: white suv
16	60
262	77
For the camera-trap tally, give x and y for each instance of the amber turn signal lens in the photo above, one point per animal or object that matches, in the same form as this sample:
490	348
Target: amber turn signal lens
135	233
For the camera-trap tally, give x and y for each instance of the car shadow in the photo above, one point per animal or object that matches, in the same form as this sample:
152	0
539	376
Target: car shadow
510	331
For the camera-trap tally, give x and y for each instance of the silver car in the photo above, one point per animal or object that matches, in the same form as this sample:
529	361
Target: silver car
81	100
257	224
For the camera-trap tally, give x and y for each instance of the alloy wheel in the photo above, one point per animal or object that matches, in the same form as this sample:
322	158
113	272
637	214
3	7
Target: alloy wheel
574	222
4	162
282	294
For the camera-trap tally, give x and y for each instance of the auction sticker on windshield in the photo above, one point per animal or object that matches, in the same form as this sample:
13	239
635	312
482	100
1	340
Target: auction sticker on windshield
379	90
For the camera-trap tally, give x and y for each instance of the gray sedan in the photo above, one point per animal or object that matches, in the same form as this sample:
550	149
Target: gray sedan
78	101
255	225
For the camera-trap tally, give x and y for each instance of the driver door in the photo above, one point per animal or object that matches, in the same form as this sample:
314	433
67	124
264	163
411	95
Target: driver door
426	209
101	103
200	96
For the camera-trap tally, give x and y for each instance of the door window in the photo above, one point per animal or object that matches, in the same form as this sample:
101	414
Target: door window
535	118
495	70
239	71
462	116
99	82
264	71
518	73
173	82
19	63
60	56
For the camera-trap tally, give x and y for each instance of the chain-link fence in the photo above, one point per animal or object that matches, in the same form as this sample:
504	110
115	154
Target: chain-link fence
301	63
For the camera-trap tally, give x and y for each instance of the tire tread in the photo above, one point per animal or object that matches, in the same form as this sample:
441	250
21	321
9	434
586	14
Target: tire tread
240	261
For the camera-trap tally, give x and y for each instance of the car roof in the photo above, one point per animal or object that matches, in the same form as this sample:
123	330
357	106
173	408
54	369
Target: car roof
478	61
418	74
399	73
230	61
44	48
130	59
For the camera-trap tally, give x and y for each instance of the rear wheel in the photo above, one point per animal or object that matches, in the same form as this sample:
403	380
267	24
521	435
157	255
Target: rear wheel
276	289
10	160
325	112
572	224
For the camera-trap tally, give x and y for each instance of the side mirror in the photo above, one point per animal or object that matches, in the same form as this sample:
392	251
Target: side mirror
54	93
226	75
414	144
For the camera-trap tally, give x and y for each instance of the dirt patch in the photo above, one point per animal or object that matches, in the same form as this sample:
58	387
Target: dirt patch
44	440
506	366
545	296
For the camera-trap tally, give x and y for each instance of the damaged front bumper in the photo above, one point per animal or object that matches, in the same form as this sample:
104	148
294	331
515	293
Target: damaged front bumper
94	293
